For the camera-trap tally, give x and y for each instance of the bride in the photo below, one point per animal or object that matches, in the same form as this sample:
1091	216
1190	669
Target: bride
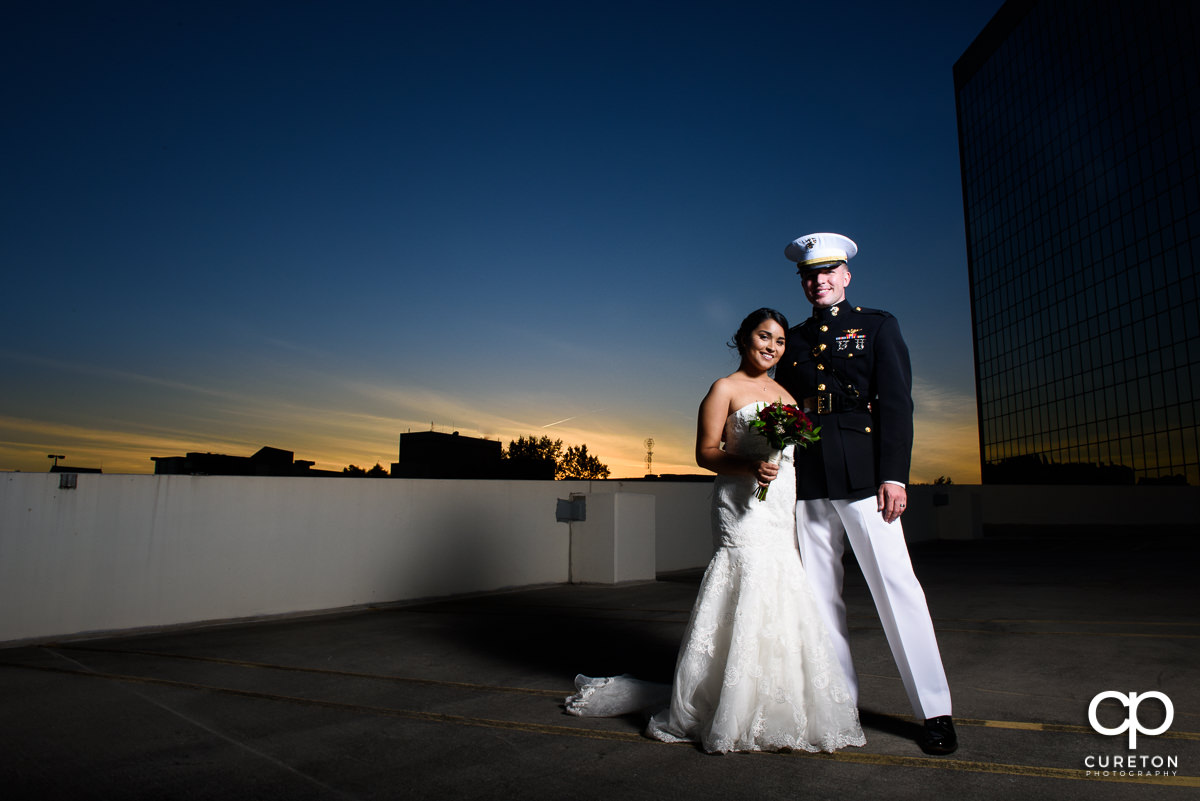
756	670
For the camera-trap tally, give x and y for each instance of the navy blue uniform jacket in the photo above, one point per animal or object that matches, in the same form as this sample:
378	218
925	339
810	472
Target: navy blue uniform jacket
856	355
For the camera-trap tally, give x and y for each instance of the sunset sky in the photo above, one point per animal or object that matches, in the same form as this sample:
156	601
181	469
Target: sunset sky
318	225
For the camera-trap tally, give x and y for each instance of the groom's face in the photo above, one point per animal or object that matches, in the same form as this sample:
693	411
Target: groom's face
826	286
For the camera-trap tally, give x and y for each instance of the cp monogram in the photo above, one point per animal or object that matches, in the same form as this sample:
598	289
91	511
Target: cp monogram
1132	724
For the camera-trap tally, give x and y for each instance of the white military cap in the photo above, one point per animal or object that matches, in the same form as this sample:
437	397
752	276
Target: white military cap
820	250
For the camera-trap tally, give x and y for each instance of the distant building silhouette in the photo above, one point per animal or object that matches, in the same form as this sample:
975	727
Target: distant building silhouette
266	462
432	454
672	477
62	468
1078	140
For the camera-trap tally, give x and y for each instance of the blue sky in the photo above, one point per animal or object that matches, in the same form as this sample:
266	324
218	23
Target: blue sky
317	226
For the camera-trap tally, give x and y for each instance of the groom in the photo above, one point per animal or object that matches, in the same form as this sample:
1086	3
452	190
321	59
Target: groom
850	365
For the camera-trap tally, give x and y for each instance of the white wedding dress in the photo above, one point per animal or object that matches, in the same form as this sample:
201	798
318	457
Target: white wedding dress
756	671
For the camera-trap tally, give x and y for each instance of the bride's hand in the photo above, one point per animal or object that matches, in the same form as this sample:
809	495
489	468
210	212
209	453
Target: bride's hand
765	472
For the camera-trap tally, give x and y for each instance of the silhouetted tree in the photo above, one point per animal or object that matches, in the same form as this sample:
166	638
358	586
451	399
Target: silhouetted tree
943	480
578	463
534	448
354	471
575	462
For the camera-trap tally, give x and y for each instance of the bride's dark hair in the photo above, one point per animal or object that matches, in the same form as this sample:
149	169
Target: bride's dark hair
752	321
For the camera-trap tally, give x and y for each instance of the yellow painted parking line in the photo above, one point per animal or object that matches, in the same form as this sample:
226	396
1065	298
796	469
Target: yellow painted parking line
1060	727
1008	724
853	757
1026	725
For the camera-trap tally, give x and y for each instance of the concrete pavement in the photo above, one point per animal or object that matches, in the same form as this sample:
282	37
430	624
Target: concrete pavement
460	699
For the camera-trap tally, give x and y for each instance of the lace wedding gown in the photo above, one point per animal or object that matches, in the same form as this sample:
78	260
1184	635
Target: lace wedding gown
756	671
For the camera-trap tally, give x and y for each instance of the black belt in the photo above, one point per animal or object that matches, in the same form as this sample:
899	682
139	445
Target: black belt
830	403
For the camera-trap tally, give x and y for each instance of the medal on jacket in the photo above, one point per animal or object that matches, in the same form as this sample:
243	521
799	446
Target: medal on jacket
853	336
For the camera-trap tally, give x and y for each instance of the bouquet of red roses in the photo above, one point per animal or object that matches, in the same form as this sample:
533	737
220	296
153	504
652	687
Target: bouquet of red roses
783	424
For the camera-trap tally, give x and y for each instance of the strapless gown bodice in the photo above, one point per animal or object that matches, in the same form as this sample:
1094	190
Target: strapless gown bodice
739	519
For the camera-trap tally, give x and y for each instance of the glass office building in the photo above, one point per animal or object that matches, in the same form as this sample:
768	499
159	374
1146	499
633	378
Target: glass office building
1078	123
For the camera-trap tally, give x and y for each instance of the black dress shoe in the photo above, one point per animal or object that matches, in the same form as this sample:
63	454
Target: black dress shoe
939	738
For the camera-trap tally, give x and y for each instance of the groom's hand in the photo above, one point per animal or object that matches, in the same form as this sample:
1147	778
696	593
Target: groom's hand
892	499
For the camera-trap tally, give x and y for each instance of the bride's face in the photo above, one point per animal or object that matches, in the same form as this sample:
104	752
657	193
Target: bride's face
764	346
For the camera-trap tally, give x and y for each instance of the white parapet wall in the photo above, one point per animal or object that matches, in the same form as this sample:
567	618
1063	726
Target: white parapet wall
615	542
682	519
122	552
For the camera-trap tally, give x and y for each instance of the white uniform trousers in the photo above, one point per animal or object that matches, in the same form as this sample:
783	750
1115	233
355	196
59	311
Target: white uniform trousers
883	556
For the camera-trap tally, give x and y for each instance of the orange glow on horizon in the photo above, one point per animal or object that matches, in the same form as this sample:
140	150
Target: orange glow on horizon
943	447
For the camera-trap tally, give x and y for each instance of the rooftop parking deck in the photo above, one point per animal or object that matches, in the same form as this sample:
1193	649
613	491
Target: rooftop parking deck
460	699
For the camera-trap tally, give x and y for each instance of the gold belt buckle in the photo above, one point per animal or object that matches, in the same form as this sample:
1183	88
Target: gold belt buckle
824	403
